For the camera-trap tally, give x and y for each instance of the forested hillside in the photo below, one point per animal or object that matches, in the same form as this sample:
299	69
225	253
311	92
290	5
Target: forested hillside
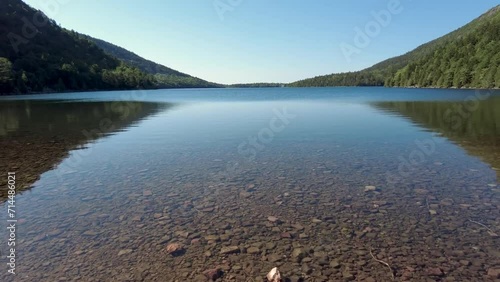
470	60
37	55
466	57
166	76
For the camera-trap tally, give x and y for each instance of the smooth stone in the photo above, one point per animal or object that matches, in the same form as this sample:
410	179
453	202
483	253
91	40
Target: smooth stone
245	194
270	245
307	259
306	269
320	254
286	235
174	249
164	239
272	218
434	271
90	233
465	262
494	273
335	264
213	274
212	238
298	254
124	252
370	188
230	250
347	276
274	258
253	250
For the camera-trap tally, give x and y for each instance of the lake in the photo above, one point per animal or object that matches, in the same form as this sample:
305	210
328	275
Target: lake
328	184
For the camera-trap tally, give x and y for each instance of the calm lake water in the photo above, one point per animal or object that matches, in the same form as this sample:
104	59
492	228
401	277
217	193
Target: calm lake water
324	183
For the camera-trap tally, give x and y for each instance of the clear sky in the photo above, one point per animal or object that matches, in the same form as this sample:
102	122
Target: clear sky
233	41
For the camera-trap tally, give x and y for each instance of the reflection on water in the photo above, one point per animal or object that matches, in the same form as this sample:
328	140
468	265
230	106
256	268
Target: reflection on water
473	125
184	175
36	135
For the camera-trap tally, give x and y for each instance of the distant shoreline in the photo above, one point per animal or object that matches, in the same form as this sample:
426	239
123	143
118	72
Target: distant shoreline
233	87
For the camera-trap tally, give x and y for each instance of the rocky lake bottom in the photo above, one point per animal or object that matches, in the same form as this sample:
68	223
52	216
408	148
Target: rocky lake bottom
135	205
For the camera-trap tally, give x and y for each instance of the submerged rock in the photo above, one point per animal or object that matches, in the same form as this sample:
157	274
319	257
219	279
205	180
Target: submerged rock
213	274
298	254
230	250
370	188
494	273
175	249
124	252
274	275
253	250
272	218
434	271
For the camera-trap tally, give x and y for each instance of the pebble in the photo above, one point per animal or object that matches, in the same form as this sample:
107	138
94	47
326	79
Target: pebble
318	227
124	252
213	274
465	262
274	258
270	245
434	271
494	273
303	236
334	264
90	233
230	250
175	249
370	188
253	250
286	235
272	218
298	254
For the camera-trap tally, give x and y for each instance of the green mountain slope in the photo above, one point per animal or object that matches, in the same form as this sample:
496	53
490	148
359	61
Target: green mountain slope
466	57
167	76
37	55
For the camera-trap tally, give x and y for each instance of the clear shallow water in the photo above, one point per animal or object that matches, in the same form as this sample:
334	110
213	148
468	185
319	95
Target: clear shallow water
206	168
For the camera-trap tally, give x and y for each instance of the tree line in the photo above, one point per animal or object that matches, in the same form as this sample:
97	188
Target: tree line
468	57
51	59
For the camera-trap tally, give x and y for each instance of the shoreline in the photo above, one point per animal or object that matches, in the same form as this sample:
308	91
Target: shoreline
229	87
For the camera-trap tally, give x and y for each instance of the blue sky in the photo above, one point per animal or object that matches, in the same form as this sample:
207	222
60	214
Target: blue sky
232	41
